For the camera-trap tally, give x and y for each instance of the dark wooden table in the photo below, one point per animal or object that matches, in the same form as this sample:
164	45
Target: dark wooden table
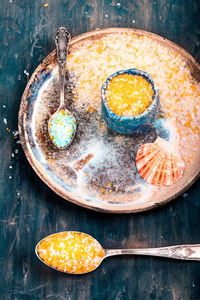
29	210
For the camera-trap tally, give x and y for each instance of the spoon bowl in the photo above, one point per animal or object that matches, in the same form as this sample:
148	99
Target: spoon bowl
76	252
62	124
62	128
71	236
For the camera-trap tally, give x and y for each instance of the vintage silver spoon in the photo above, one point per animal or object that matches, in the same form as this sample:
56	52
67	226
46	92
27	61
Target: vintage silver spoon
66	259
62	124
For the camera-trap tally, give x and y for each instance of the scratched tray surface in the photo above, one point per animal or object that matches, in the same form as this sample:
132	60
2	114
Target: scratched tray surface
98	169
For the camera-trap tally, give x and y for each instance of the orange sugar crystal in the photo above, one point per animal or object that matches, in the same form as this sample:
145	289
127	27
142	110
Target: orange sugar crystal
71	252
129	95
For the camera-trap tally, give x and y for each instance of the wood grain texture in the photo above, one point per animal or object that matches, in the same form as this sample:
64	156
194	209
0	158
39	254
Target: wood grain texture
29	210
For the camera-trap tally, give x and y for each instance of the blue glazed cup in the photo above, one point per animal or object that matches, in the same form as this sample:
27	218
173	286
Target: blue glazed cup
135	125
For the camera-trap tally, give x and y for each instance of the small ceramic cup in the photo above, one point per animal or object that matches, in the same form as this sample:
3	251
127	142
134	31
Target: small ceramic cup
135	125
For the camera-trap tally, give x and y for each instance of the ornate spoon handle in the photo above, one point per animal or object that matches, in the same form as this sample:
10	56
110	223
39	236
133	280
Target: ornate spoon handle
62	39
186	252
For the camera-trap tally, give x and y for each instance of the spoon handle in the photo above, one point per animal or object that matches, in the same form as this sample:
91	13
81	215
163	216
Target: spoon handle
185	252
62	39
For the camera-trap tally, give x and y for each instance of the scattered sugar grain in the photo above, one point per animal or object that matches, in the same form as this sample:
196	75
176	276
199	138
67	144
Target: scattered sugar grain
26	72
15	133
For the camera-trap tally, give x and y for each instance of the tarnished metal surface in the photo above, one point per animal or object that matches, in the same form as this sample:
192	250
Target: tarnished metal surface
98	169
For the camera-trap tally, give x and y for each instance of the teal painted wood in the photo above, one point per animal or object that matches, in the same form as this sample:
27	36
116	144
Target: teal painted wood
29	210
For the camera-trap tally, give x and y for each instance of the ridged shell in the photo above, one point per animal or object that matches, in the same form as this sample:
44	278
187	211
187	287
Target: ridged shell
159	163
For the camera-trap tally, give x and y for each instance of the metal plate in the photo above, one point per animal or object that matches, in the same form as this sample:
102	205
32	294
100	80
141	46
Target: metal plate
98	170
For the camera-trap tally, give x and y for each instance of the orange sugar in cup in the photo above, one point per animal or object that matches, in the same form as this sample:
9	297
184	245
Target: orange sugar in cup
71	252
129	102
129	95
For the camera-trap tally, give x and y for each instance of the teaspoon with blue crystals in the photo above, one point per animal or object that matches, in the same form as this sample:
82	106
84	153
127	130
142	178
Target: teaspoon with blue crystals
62	124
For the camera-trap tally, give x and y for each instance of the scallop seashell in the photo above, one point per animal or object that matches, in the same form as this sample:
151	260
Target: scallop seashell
159	163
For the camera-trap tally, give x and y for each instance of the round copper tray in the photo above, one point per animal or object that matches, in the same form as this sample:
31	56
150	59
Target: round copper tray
101	183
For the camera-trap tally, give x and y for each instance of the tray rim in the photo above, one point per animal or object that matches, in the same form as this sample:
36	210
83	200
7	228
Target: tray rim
103	207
